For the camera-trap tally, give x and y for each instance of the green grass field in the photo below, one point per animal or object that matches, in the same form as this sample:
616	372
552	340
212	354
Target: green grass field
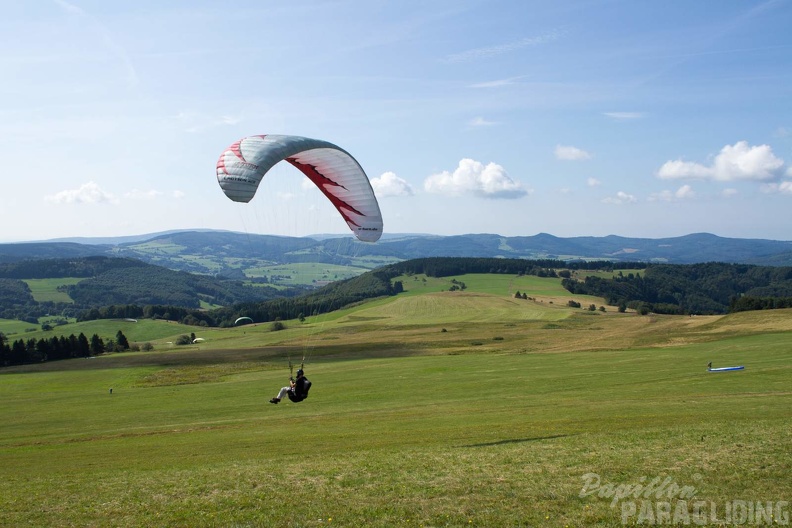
44	290
305	273
434	408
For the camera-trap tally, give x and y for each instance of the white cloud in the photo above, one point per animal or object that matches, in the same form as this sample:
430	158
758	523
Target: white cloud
481	122
683	193
470	176
785	187
570	153
593	182
87	193
734	163
672	170
729	192
624	116
391	185
620	198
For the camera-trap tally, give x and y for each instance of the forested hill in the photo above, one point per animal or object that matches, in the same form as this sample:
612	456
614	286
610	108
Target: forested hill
709	288
218	251
117	281
66	267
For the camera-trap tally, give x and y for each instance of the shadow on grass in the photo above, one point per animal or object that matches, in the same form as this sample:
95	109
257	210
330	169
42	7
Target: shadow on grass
514	441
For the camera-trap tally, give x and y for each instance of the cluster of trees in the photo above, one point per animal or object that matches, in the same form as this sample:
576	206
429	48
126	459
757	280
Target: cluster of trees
709	288
448	266
747	303
188	316
16	300
21	351
74	267
155	285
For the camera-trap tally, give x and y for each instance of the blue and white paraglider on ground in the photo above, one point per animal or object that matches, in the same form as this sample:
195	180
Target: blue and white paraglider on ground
722	369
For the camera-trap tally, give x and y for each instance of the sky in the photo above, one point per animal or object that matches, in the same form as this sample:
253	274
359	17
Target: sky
635	118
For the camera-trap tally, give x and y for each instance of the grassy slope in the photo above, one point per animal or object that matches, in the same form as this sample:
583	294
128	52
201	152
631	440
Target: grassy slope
44	290
490	423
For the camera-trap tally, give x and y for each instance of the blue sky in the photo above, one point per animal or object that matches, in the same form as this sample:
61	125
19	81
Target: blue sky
635	118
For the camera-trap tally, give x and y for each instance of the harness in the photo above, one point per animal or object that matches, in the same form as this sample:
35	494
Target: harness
300	396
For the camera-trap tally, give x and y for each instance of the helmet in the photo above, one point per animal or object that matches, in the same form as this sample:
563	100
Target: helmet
300	372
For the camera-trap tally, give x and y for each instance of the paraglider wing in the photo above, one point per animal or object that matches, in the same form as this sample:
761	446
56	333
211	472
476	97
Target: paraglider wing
243	320
333	170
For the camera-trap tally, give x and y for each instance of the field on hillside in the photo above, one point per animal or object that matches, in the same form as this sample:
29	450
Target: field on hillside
433	408
44	290
304	273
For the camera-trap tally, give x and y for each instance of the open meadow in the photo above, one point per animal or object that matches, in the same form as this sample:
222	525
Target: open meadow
431	408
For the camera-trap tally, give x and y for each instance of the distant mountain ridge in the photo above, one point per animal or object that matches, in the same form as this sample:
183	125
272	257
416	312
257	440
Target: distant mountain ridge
207	251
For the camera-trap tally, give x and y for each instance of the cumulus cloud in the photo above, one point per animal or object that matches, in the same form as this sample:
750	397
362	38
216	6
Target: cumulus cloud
471	176
620	198
87	193
738	162
391	185
683	193
569	153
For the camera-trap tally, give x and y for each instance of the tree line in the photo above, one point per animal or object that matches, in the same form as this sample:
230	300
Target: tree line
21	351
449	266
708	288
